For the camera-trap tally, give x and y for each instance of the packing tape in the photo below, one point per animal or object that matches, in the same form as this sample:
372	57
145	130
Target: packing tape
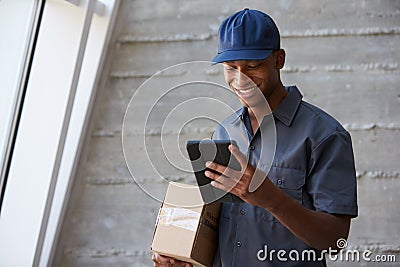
179	217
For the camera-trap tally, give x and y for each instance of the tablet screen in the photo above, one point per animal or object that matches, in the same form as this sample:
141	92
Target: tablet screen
201	151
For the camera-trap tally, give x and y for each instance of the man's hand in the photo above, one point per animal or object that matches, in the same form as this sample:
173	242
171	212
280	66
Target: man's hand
239	182
163	261
318	229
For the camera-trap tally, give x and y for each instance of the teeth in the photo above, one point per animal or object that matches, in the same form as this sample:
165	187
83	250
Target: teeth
246	90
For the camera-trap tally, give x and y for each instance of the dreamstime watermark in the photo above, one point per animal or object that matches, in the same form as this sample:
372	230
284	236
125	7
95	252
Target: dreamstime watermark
339	254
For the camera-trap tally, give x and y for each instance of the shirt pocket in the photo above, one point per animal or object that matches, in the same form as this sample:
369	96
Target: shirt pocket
290	181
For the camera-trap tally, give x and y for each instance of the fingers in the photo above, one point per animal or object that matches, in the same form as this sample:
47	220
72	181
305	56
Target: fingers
215	167
164	261
161	261
241	158
224	183
229	180
221	185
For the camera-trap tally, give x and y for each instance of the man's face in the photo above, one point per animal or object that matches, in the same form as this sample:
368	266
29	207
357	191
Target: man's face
253	81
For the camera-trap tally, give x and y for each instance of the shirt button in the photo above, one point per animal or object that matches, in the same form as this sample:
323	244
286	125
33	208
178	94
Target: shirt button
239	244
243	212
252	147
279	181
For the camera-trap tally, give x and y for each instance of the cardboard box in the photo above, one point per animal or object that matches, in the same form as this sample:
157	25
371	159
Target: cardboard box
186	228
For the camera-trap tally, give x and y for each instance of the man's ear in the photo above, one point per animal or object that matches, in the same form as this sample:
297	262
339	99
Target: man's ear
280	56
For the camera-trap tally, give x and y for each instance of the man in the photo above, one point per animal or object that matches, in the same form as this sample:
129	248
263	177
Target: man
308	195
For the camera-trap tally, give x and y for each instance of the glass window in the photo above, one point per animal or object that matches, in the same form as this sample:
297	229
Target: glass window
17	19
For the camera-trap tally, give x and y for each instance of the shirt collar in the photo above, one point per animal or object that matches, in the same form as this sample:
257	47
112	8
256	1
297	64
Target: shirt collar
239	114
286	110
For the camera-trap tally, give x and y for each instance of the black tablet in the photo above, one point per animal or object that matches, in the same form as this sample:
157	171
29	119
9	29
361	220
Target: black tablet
201	151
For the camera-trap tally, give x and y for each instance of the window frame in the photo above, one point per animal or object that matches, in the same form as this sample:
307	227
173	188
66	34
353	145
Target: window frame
64	77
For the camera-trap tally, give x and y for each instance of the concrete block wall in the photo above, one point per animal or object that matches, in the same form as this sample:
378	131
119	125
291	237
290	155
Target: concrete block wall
343	55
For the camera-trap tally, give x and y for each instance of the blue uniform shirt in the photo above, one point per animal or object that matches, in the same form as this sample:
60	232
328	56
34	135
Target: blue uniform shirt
313	163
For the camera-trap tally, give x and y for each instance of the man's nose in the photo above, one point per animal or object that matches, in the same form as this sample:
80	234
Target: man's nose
242	79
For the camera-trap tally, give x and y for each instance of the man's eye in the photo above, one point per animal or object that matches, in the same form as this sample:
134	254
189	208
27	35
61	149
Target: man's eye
253	66
229	68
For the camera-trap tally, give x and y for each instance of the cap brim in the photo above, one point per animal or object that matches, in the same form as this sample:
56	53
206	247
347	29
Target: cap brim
241	55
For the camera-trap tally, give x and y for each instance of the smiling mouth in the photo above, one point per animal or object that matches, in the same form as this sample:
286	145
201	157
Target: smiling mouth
246	90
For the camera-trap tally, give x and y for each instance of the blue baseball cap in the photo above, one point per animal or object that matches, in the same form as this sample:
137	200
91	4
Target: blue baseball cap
247	35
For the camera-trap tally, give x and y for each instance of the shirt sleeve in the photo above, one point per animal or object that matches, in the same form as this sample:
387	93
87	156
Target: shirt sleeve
332	181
